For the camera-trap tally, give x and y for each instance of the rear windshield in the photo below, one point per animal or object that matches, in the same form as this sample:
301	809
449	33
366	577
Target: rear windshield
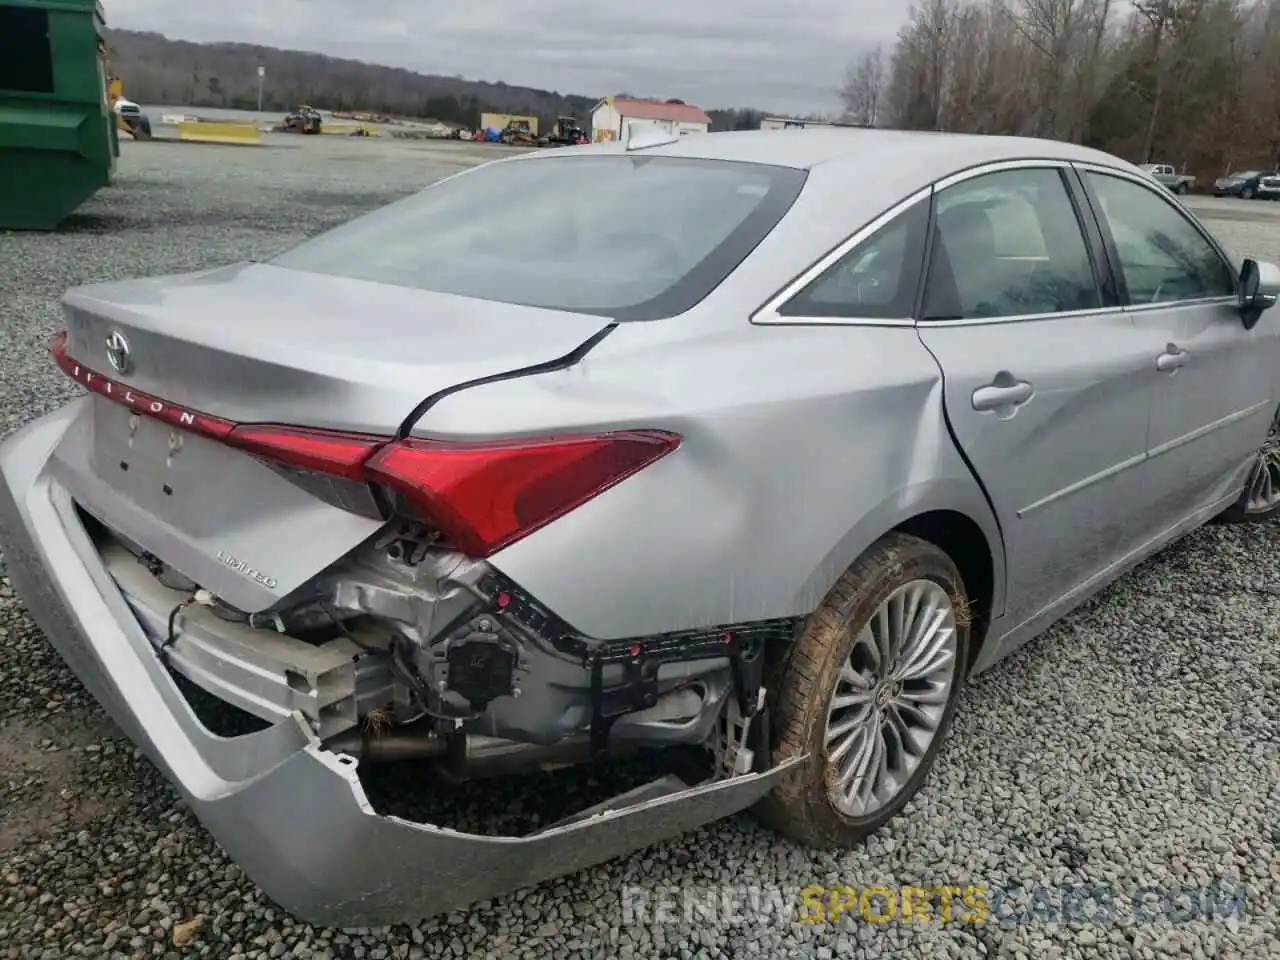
627	237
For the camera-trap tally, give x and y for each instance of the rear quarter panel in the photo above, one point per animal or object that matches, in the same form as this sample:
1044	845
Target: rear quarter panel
802	446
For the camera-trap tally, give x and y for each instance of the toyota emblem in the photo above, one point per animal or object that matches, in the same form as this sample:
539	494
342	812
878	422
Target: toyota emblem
118	352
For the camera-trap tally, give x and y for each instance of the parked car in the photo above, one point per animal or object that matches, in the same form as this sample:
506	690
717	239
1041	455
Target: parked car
1269	187
1164	174
1244	184
761	467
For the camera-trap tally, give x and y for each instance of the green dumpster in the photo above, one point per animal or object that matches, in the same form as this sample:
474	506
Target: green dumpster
57	146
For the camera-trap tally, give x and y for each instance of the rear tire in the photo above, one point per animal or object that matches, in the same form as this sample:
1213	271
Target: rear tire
1260	499
1246	193
900	583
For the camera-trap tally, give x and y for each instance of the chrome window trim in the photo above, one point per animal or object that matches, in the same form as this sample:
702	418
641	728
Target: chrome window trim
771	318
1179	304
1161	192
768	314
1093	312
1000	166
1138	178
1023	318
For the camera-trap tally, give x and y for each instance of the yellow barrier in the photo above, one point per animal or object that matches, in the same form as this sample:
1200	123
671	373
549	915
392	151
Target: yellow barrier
208	132
348	129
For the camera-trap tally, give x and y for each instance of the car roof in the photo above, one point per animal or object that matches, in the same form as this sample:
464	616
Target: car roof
927	155
852	177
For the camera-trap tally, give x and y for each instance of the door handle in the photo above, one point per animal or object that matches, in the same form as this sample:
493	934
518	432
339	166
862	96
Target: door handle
1003	393
1172	359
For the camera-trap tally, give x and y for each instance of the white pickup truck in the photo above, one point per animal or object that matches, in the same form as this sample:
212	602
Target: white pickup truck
133	119
1164	173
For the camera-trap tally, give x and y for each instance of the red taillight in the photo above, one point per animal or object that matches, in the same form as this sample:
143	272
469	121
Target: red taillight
338	454
485	496
482	496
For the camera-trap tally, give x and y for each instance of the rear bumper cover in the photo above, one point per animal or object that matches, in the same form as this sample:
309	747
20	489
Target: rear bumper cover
293	815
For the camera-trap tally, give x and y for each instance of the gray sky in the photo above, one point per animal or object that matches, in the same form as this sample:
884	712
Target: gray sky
783	55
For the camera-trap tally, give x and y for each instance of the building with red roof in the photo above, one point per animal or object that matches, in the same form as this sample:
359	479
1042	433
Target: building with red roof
613	115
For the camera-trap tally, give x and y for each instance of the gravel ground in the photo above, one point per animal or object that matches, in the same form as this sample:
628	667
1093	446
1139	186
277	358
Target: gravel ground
1135	745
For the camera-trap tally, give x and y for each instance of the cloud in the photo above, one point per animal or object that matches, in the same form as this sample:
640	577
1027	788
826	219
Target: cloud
782	55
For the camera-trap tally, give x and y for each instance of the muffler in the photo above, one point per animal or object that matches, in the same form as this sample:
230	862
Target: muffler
415	741
463	757
477	757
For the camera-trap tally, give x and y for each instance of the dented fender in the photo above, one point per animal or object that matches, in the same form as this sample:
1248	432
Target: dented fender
801	446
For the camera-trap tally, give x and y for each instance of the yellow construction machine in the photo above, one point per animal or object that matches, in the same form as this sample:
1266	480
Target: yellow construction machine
305	119
519	132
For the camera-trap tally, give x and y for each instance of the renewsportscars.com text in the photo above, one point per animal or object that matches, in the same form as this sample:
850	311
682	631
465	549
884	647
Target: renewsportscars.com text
941	903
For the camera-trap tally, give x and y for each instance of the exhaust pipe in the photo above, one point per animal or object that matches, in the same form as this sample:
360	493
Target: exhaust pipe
461	758
481	757
416	741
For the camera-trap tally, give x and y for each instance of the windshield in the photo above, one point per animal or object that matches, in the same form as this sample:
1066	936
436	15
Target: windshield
1246	175
627	237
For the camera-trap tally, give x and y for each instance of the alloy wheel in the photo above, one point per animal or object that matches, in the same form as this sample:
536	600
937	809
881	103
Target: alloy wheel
891	698
1264	483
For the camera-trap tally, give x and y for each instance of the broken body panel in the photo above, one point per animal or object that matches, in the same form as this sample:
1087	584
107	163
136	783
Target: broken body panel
292	814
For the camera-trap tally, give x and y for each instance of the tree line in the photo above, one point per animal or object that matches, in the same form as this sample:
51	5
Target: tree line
1193	83
161	71
158	70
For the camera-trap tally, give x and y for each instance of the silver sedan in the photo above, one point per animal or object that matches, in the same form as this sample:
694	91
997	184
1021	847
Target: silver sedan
746	448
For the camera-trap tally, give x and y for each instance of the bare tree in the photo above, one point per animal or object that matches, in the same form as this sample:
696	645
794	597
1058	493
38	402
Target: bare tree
921	62
863	89
1256	111
1195	83
1051	29
987	87
1092	72
1163	17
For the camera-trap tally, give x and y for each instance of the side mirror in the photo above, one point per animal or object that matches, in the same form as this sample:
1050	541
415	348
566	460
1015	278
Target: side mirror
1258	291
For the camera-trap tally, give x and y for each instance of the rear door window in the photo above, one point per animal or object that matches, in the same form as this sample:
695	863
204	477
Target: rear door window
876	280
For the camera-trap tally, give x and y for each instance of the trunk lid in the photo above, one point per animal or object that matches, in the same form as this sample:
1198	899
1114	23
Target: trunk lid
255	343
258	344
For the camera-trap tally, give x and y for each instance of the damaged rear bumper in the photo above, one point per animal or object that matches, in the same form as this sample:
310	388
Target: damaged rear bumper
293	815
